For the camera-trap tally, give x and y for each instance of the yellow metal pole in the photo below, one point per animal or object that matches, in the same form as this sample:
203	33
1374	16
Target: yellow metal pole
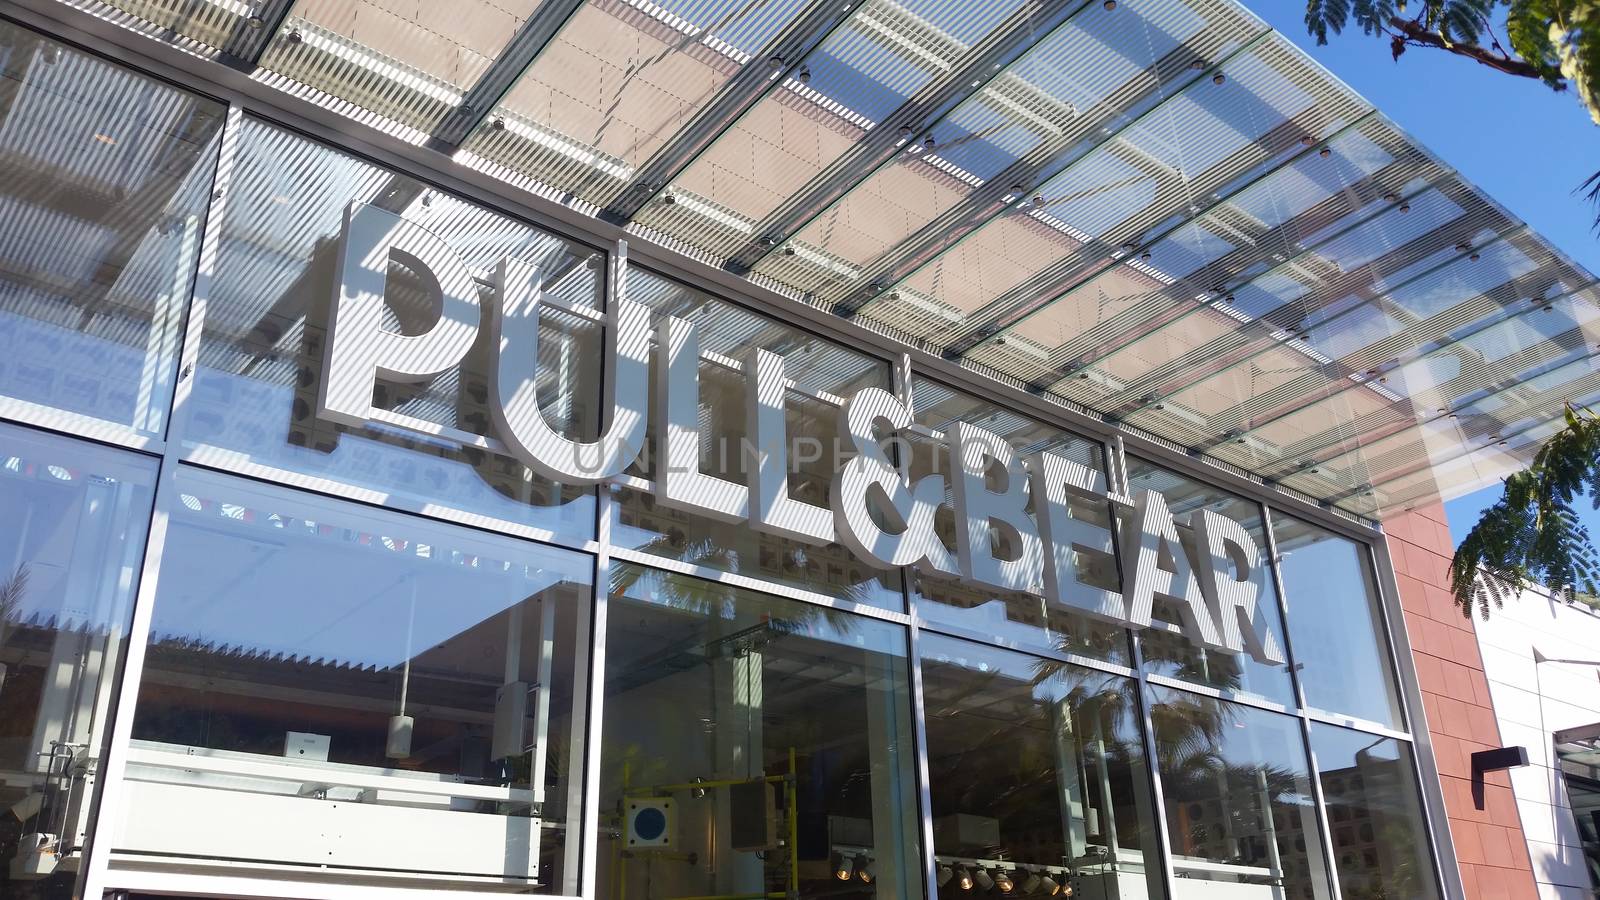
793	790
619	888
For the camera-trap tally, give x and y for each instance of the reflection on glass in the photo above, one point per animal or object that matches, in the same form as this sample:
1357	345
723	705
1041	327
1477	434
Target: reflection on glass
1237	790
1380	840
1171	653
104	180
752	747
1339	645
815	453
407	62
255	394
1018	618
1037	772
69	562
358	691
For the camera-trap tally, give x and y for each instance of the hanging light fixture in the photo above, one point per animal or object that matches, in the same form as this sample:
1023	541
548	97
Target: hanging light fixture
1002	880
843	866
866	870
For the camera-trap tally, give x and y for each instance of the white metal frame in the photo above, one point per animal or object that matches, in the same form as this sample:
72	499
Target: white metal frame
246	96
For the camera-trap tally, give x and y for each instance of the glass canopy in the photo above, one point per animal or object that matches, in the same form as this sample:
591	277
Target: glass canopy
1160	211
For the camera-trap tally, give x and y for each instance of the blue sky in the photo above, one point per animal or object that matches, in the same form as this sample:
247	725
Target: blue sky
1527	146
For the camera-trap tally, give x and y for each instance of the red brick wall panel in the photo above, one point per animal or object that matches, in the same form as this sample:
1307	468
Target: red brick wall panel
1489	843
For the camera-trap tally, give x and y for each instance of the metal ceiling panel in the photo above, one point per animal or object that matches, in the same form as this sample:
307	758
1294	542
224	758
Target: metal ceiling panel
1161	212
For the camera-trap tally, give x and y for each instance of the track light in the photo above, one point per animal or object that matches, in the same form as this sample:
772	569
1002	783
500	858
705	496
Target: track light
843	866
866	871
1031	883
964	879
943	876
1048	886
1002	880
983	880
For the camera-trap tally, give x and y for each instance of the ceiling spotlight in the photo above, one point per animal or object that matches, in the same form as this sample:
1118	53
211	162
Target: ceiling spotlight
1038	199
1000	341
1474	256
1405	207
499	124
1110	5
905	131
1390	197
1002	881
294	37
928	142
669	199
805	75
1145	255
943	876
1048	886
1218	78
1030	884
1463	247
964	879
254	21
843	866
1017	189
1307	141
865	870
788	250
983	880
1325	153
1197	65
776	62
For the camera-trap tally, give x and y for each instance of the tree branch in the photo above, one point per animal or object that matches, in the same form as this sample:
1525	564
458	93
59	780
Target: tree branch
1414	32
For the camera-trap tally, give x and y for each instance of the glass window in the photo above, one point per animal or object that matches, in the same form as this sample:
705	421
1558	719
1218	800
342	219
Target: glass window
1171	653
1339	644
358	692
104	180
70	555
1237	791
255	395
1380	840
1017	618
752	747
816	367
1037	771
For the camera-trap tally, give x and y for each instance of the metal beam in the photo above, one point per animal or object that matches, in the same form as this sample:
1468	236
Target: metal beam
1061	278
1058	282
536	34
1181	373
766	71
1515	368
914	120
1298	398
1048	160
1588	384
252	33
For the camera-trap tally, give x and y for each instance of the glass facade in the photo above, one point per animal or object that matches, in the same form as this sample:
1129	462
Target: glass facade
244	638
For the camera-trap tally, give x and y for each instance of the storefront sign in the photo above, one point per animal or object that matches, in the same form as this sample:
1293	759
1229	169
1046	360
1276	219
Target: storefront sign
878	511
